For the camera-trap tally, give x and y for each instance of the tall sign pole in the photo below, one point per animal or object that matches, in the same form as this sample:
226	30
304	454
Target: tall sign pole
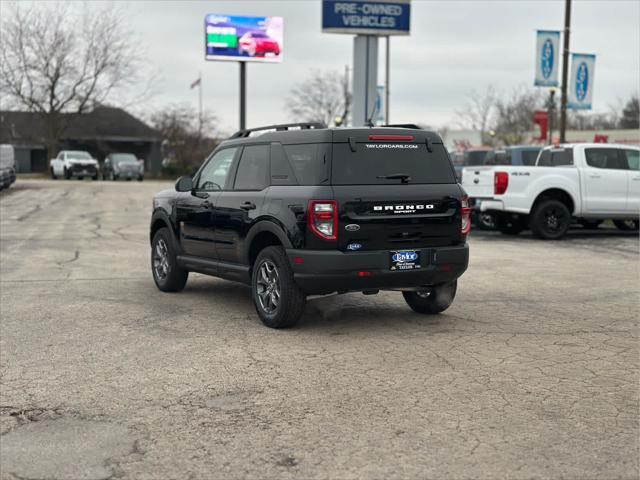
243	95
367	20
386	81
565	70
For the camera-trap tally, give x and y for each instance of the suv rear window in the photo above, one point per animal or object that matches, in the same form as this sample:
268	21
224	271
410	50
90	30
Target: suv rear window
371	162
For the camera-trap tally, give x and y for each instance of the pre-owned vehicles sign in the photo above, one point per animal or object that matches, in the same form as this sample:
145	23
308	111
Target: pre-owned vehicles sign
370	17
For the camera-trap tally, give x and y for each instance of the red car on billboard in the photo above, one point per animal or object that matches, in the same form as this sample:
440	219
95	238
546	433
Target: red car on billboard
257	44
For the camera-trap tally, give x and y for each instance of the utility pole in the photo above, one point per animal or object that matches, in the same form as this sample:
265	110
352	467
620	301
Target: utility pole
565	70
386	83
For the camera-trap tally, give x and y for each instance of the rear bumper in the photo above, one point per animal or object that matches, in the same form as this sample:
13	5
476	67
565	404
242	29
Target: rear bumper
330	271
479	204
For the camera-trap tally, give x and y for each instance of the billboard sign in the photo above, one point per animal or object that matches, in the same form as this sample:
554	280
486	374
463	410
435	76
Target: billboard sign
367	17
581	81
243	39
547	58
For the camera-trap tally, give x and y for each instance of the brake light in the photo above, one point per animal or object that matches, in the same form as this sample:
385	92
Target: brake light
500	182
465	213
322	219
391	138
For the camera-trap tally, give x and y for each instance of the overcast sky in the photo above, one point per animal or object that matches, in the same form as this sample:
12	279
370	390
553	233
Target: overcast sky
454	47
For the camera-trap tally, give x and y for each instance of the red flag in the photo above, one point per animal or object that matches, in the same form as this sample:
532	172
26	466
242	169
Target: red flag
195	83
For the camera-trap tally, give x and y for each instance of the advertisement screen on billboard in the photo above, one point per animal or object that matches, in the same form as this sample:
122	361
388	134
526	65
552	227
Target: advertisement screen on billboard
244	39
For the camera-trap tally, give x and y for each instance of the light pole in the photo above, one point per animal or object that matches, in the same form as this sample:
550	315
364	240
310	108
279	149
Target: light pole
565	70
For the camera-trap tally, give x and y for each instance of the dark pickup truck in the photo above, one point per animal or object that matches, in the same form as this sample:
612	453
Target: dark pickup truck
300	209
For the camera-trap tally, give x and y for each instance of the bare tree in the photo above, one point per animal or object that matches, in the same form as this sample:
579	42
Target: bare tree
514	115
61	58
320	98
630	117
477	112
187	140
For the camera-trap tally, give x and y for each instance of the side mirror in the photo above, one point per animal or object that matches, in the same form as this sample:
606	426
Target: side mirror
184	184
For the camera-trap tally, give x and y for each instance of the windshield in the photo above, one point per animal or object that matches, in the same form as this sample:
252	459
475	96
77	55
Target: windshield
390	164
78	155
124	158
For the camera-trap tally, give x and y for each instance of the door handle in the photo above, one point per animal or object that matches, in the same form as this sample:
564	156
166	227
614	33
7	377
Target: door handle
248	206
206	204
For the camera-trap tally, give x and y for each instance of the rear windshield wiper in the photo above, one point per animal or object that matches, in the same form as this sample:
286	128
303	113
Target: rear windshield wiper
403	177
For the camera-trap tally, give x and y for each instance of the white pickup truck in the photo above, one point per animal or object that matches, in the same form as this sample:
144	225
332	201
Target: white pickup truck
74	163
584	182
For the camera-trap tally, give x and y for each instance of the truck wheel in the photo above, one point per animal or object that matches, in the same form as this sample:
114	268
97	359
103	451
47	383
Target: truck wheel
626	225
431	301
169	277
510	225
53	175
485	221
67	174
278	299
550	220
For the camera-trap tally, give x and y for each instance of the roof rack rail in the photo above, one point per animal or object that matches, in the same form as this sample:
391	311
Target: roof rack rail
411	126
280	128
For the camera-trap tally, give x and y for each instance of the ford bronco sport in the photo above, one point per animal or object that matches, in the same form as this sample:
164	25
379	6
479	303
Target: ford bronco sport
300	209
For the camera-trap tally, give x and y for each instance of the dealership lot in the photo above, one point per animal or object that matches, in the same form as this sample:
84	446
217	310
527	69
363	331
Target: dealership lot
533	372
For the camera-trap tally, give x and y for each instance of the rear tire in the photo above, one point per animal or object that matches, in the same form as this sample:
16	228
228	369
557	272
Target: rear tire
433	301
550	220
169	277
277	298
508	225
626	225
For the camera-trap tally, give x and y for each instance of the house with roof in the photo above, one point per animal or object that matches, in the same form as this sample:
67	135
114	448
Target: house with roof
100	132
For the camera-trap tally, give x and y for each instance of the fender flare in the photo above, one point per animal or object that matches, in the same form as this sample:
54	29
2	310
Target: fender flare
160	215
260	227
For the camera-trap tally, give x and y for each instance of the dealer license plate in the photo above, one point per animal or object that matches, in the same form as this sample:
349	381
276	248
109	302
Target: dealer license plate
404	259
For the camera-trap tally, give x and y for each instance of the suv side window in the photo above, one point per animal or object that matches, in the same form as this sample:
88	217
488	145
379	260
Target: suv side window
633	159
609	158
253	168
214	174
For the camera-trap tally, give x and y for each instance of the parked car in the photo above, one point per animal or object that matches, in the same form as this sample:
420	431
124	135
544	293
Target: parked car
512	155
472	156
7	166
74	163
122	165
583	182
257	44
313	211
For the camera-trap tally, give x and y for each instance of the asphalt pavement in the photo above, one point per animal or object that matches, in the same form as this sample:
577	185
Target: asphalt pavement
532	373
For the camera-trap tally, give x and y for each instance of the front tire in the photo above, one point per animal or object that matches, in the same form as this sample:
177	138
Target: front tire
432	301
277	298
509	225
169	277
67	174
53	175
626	225
550	220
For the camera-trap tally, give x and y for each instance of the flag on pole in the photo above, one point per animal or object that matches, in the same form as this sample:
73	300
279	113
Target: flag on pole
583	68
195	83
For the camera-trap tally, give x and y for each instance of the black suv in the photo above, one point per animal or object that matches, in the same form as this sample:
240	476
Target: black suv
301	209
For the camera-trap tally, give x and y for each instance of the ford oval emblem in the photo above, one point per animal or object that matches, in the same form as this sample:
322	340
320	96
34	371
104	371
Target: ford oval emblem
352	227
582	81
547	58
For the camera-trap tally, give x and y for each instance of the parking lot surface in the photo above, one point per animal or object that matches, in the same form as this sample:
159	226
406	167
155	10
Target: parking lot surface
532	373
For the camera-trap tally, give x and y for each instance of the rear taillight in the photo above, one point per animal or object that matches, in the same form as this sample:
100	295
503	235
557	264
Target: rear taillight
322	219
500	182
465	213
